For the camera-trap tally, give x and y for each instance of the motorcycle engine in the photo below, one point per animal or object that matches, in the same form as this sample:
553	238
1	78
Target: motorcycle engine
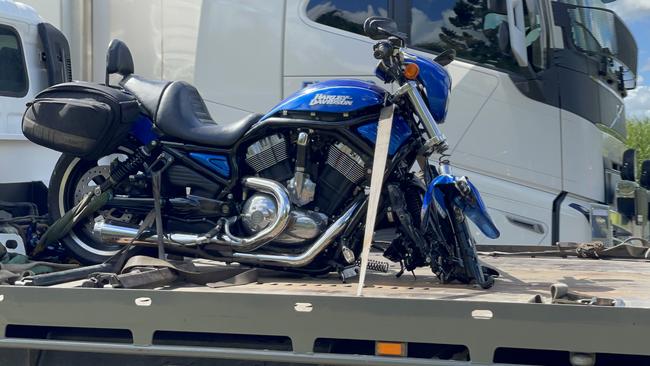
312	203
260	211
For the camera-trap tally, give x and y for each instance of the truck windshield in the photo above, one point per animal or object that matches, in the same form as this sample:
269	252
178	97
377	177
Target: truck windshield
600	32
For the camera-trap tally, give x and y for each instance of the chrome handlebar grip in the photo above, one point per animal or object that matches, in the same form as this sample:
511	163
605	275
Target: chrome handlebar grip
438	141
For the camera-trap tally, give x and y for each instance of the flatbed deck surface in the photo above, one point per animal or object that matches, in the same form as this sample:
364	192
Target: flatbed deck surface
521	279
306	309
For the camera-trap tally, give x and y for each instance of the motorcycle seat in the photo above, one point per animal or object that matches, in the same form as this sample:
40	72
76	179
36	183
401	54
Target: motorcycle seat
178	110
148	92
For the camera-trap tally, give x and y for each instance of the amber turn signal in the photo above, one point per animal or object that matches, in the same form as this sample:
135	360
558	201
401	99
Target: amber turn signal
411	71
390	349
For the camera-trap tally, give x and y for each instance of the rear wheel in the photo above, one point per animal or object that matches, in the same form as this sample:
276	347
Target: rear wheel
72	179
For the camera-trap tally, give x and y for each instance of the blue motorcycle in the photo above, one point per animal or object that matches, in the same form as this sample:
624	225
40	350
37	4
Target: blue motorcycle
144	164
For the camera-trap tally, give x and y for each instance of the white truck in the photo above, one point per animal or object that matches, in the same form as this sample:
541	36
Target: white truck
536	119
27	65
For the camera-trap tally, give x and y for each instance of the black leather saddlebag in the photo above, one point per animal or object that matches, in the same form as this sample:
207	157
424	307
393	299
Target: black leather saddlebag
82	119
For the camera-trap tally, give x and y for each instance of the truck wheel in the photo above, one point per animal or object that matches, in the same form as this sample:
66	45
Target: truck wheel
71	180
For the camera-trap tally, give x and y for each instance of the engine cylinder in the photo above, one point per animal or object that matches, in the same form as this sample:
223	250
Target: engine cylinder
343	170
269	158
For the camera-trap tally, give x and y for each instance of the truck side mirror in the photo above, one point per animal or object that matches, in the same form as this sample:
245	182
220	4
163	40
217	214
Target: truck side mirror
56	54
517	30
628	169
503	35
118	59
644	180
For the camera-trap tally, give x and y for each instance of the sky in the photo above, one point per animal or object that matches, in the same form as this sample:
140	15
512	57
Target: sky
636	14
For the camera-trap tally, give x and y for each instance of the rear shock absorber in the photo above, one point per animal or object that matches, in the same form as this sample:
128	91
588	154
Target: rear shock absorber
129	166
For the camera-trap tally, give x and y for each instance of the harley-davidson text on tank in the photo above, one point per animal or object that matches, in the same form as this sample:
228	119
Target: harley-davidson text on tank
331	99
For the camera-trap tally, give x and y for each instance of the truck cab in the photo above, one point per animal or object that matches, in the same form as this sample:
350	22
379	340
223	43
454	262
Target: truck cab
32	57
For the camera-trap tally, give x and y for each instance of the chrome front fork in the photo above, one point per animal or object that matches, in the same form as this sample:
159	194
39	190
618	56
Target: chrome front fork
437	142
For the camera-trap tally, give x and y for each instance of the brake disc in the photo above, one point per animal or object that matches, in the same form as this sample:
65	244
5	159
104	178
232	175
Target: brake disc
87	183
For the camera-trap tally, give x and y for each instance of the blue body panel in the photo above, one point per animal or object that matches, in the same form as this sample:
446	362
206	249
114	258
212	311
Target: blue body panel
473	208
398	134
142	129
332	96
437	83
217	163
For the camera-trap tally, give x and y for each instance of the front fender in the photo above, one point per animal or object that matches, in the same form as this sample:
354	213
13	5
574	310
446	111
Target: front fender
449	188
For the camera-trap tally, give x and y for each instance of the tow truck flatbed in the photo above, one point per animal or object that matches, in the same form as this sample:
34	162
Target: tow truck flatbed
301	320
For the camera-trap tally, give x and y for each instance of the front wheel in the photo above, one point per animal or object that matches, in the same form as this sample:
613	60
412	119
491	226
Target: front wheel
467	250
71	180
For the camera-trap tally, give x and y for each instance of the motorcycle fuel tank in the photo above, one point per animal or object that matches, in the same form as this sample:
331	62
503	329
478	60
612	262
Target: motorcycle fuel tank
332	96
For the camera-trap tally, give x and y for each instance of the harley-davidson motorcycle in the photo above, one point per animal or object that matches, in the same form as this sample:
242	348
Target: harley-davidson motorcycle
144	163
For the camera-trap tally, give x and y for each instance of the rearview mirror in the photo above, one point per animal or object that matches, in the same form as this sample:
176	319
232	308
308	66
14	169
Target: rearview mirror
118	59
381	28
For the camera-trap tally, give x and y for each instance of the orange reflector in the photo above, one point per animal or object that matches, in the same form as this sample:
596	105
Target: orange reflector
390	349
411	71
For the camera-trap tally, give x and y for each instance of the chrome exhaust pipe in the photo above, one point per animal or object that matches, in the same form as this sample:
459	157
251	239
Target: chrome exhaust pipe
248	244
305	257
118	234
123	234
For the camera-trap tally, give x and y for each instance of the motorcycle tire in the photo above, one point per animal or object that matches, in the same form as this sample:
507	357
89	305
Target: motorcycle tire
71	178
473	268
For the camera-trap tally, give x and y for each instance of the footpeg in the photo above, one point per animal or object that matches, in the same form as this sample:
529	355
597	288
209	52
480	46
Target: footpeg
349	272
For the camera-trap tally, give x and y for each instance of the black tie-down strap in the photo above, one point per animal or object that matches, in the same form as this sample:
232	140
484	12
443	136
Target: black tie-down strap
560	294
143	271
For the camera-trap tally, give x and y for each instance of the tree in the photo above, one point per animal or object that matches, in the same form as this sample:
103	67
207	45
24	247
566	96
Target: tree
638	137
